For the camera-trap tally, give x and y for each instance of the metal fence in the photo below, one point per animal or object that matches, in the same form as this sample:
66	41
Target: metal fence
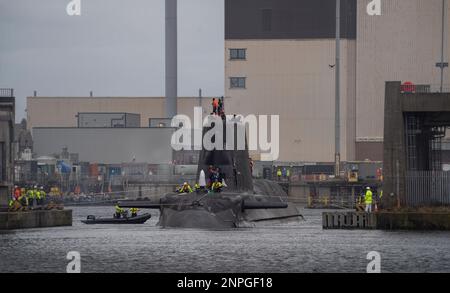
427	188
424	88
8	93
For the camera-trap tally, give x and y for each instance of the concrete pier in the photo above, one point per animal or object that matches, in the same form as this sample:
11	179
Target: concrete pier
35	219
386	220
413	221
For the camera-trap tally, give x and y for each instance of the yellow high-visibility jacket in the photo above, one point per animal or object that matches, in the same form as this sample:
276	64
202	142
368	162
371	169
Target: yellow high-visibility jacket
369	197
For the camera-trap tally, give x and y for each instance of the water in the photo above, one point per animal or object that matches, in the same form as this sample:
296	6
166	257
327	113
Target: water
295	247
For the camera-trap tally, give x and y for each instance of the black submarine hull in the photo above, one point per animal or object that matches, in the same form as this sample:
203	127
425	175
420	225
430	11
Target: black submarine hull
243	202
222	210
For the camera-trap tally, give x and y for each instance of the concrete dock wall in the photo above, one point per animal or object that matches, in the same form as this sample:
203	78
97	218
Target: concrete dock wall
386	221
35	219
413	221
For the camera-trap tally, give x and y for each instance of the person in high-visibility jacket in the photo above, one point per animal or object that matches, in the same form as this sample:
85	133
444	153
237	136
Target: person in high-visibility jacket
31	197
186	188
119	212
43	195
23	201
134	212
17	192
279	174
215	106
217	186
196	187
368	200
37	194
10	203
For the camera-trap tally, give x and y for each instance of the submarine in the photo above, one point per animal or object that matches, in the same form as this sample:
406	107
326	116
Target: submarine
241	202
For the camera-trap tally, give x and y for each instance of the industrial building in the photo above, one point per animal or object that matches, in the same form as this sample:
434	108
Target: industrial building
7	116
107	145
280	60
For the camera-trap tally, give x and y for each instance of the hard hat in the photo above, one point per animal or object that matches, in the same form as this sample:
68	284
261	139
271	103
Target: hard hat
368	188
185	183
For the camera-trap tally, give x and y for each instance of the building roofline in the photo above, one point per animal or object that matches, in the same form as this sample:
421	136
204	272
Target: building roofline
108	97
103	128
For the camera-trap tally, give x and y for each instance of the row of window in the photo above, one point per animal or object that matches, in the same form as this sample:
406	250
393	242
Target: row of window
238	54
238	82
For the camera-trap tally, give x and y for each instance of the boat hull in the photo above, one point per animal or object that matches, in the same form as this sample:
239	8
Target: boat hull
134	220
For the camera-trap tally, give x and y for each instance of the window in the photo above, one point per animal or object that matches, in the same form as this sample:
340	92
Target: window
237	82
238	54
266	20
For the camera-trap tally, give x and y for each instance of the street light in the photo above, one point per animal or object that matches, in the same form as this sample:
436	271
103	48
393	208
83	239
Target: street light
337	106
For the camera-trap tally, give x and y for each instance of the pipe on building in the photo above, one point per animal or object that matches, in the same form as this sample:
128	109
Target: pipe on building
171	58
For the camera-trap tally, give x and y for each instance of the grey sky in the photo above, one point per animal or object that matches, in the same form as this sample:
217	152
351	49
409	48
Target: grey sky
116	47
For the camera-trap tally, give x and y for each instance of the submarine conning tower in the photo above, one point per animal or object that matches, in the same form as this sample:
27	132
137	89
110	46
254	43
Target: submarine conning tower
232	159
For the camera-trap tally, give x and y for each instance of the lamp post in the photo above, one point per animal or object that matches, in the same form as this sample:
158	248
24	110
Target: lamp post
171	58
337	106
442	65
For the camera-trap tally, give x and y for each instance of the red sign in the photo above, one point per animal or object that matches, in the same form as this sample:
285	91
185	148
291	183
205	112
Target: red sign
408	87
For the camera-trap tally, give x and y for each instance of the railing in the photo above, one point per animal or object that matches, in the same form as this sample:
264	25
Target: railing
179	179
427	188
424	88
6	93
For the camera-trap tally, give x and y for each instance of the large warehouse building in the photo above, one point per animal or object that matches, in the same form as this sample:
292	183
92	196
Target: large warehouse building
280	59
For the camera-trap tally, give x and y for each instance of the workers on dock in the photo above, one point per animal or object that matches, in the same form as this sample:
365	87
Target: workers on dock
186	188
279	174
368	200
134	212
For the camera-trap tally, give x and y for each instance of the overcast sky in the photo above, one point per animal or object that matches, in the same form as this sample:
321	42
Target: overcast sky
115	48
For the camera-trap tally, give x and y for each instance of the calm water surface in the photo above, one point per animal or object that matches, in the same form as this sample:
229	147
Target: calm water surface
295	247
